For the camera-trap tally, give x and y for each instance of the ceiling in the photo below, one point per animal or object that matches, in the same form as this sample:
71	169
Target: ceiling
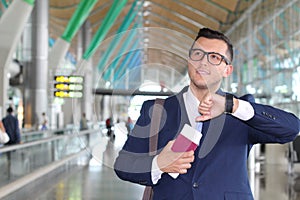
179	21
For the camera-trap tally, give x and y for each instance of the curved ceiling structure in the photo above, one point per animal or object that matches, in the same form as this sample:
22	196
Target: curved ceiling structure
167	27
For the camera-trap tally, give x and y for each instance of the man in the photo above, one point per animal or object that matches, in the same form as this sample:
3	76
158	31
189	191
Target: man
83	122
11	125
230	126
44	124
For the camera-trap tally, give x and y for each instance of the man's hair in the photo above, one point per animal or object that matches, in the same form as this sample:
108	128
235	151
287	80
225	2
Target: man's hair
9	110
213	34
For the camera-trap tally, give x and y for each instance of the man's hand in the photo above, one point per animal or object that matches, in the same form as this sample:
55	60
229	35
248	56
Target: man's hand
174	162
213	105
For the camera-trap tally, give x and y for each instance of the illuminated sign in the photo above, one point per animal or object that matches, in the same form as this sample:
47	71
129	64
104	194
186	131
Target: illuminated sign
68	79
68	94
68	86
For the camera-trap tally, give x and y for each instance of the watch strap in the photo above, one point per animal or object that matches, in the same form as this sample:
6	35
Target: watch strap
228	103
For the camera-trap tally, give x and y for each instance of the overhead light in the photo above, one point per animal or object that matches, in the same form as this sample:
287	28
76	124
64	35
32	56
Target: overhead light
146	13
146	3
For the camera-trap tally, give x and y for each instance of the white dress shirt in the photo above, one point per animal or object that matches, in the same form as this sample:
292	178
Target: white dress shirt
244	112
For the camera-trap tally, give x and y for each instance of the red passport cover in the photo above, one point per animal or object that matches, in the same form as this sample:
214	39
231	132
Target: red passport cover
187	140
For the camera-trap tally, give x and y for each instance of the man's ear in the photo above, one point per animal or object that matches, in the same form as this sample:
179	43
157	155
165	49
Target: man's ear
228	70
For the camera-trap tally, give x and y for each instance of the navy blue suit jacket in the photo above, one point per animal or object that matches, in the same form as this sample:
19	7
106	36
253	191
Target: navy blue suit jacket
219	170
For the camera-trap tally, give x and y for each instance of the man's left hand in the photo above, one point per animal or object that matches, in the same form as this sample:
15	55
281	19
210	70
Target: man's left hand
211	106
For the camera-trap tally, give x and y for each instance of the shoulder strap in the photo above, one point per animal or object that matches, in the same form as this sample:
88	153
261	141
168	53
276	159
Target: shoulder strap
155	123
154	129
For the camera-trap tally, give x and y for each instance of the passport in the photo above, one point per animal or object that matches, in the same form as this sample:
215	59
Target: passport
188	139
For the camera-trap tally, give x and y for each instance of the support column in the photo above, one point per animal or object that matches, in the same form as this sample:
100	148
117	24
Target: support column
88	98
11	28
37	101
3	90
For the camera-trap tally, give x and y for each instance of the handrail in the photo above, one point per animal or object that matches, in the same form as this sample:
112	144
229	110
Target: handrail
55	161
45	140
21	182
49	130
44	131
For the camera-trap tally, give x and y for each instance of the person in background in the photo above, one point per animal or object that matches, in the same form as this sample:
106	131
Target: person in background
45	121
229	125
11	125
83	122
129	124
108	124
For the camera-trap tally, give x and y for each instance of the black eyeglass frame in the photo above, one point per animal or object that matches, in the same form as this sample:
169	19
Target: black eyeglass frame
227	62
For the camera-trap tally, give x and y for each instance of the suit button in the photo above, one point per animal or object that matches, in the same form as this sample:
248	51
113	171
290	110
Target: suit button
195	185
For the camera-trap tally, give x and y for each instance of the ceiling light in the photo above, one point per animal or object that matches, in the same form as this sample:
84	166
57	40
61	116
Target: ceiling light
147	3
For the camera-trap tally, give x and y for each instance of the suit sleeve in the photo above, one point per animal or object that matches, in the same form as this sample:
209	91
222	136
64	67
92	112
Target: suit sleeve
134	162
272	125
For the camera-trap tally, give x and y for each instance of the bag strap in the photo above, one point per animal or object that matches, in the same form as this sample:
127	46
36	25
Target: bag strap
154	127
153	139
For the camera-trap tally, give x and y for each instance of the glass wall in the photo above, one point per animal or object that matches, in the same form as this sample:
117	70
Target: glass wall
267	56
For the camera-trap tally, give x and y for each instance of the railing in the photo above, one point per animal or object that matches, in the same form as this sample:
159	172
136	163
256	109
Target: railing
23	163
37	135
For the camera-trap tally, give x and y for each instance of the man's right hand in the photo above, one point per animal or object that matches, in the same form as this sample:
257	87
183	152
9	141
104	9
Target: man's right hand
174	162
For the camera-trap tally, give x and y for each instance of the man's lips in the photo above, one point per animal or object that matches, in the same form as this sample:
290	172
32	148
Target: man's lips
202	72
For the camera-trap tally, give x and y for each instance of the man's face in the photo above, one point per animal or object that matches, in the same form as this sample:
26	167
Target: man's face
202	73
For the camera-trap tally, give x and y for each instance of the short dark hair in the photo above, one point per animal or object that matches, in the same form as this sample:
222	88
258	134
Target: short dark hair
9	110
213	34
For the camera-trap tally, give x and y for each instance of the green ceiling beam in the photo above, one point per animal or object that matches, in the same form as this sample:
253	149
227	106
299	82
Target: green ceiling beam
124	26
31	2
122	50
82	12
4	3
120	71
107	23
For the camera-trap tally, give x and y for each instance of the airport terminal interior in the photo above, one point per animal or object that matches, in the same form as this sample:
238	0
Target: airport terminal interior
80	64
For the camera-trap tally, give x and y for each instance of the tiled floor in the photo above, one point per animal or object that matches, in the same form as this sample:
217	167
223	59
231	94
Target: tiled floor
100	183
97	181
92	183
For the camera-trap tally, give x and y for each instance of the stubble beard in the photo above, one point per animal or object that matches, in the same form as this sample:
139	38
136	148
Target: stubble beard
205	86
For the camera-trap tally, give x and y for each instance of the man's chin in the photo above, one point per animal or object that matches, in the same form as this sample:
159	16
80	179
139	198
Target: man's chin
207	86
199	85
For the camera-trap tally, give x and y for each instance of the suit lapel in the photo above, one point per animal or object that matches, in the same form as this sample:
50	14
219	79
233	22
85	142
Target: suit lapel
184	119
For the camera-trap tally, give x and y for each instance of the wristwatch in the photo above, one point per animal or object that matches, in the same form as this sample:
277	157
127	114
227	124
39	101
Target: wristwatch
228	103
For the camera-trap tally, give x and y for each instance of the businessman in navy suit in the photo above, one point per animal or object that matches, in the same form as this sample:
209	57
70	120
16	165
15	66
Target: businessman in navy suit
230	126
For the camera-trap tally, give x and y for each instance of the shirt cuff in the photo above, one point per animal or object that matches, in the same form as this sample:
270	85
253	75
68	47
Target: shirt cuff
245	110
155	171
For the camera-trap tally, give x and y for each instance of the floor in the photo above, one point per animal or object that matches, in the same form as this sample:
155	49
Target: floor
97	181
92	183
100	183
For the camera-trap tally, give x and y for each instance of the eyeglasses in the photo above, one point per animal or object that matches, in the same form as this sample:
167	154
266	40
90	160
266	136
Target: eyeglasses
212	57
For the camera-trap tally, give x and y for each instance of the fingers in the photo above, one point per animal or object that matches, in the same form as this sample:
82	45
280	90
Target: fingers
205	111
184	168
203	118
211	106
205	105
169	161
184	164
